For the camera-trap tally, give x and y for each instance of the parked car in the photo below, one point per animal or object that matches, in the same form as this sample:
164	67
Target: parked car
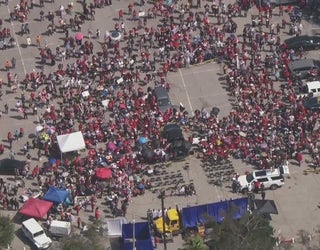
306	42
275	3
178	148
312	103
34	232
163	99
60	228
310	89
304	68
271	179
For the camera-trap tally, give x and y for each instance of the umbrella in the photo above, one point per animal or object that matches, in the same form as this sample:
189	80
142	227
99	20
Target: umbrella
142	140
100	87
215	111
39	128
79	36
264	145
112	146
103	173
52	161
243	134
92	152
141	186
115	35
51	130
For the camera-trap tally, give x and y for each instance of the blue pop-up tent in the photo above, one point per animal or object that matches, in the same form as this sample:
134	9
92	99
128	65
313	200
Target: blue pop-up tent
140	245
139	233
56	195
191	216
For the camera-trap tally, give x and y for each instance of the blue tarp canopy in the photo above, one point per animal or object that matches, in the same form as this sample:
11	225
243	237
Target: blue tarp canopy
191	216
140	245
142	236
56	195
217	210
142	231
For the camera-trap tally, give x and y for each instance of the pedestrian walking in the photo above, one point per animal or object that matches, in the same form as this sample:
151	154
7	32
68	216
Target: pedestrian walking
12	154
25	114
28	41
299	158
26	148
98	33
79	222
13	62
97	213
8	65
263	194
6	108
38	40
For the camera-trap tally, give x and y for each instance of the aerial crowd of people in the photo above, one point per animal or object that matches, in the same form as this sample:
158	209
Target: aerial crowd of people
107	93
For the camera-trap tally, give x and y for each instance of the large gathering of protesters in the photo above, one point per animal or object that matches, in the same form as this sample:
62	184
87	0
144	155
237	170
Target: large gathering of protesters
107	93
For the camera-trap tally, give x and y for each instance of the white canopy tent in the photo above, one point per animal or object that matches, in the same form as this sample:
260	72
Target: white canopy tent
114	226
71	142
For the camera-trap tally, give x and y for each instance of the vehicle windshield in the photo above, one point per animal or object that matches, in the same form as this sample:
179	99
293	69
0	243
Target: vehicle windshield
249	178
38	234
163	102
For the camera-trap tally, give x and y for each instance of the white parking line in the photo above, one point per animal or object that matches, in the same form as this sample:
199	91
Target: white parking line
17	43
217	192
185	89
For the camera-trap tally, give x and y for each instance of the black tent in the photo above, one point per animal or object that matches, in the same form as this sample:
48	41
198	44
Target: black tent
266	207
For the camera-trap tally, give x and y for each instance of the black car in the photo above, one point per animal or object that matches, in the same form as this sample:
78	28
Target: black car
275	3
179	148
287	2
306	42
312	103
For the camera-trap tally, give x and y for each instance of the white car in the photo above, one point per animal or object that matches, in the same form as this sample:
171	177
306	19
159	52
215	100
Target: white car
34	232
271	178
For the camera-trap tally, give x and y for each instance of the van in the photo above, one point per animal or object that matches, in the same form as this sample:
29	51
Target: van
311	89
302	68
163	99
34	232
60	228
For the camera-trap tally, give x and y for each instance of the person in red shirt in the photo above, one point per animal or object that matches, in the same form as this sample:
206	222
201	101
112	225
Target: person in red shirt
299	158
120	15
97	213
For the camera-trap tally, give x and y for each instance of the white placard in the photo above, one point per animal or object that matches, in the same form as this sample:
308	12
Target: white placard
120	80
85	93
105	103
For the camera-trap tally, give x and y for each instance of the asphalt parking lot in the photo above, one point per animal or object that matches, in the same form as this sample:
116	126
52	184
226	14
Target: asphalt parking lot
199	88
196	87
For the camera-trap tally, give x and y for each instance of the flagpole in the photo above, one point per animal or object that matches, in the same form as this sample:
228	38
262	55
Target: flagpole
134	233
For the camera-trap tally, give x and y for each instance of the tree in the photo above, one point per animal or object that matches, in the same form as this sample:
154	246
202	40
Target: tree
6	231
90	240
76	243
195	243
250	232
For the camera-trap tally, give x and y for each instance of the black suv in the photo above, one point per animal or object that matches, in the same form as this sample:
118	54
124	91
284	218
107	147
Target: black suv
178	148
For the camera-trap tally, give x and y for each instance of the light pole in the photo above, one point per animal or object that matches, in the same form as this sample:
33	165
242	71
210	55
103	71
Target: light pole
134	234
